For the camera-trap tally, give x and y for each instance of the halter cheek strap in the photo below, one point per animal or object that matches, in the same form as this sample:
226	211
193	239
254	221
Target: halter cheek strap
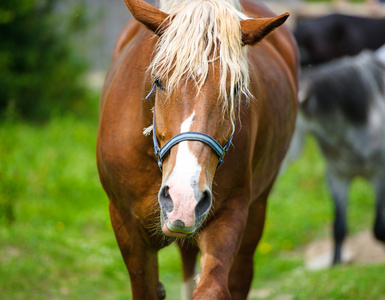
188	136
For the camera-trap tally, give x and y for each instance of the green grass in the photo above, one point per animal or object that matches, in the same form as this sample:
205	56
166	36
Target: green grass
56	240
300	211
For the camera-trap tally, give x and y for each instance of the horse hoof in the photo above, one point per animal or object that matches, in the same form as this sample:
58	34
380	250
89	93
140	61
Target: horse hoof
161	291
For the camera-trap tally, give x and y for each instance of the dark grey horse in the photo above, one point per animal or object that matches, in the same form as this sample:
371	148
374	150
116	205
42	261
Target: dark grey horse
343	105
325	38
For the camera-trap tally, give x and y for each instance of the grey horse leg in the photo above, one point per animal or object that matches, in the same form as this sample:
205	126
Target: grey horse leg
339	188
379	224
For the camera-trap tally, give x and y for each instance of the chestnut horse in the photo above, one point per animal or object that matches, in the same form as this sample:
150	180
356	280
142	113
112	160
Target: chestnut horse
210	82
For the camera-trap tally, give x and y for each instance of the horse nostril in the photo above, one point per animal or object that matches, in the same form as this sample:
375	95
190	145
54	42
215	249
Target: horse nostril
165	200
204	204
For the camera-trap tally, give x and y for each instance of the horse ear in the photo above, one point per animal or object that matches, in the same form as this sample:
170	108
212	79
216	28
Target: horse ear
254	30
153	18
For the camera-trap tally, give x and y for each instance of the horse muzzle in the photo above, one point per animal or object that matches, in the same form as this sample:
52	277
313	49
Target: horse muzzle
183	209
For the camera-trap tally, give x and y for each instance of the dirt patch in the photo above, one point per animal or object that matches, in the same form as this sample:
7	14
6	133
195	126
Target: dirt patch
361	248
265	293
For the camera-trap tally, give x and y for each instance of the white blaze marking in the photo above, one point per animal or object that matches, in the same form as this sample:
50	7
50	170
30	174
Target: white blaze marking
183	181
186	162
185	127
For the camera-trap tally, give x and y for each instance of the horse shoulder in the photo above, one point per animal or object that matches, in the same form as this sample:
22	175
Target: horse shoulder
274	64
123	115
274	88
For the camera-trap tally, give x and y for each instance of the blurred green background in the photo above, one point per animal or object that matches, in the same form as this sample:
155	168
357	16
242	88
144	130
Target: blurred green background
56	240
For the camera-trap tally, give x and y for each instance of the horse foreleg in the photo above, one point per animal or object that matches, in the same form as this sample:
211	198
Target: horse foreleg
379	224
140	259
339	189
241	273
189	255
219	243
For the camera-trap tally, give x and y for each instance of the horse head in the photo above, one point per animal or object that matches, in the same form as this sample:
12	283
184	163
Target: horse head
200	75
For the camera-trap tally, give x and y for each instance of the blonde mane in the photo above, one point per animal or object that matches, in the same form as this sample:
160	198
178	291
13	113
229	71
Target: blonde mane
199	30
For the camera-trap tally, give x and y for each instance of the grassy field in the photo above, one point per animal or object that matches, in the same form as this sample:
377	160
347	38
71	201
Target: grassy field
56	240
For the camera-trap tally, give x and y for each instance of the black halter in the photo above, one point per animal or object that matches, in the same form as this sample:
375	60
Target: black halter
188	136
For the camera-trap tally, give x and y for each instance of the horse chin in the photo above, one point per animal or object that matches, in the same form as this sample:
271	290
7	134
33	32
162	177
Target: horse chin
176	231
168	232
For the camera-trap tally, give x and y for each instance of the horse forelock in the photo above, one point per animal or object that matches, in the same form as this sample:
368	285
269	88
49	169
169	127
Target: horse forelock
200	33
167	5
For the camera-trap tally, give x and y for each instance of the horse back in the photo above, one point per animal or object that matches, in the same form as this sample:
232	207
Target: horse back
281	39
126	35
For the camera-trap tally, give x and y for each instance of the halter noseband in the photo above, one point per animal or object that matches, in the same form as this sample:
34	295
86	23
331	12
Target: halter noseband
188	136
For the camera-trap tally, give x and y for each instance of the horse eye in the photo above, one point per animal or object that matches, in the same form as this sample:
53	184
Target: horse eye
158	83
236	89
